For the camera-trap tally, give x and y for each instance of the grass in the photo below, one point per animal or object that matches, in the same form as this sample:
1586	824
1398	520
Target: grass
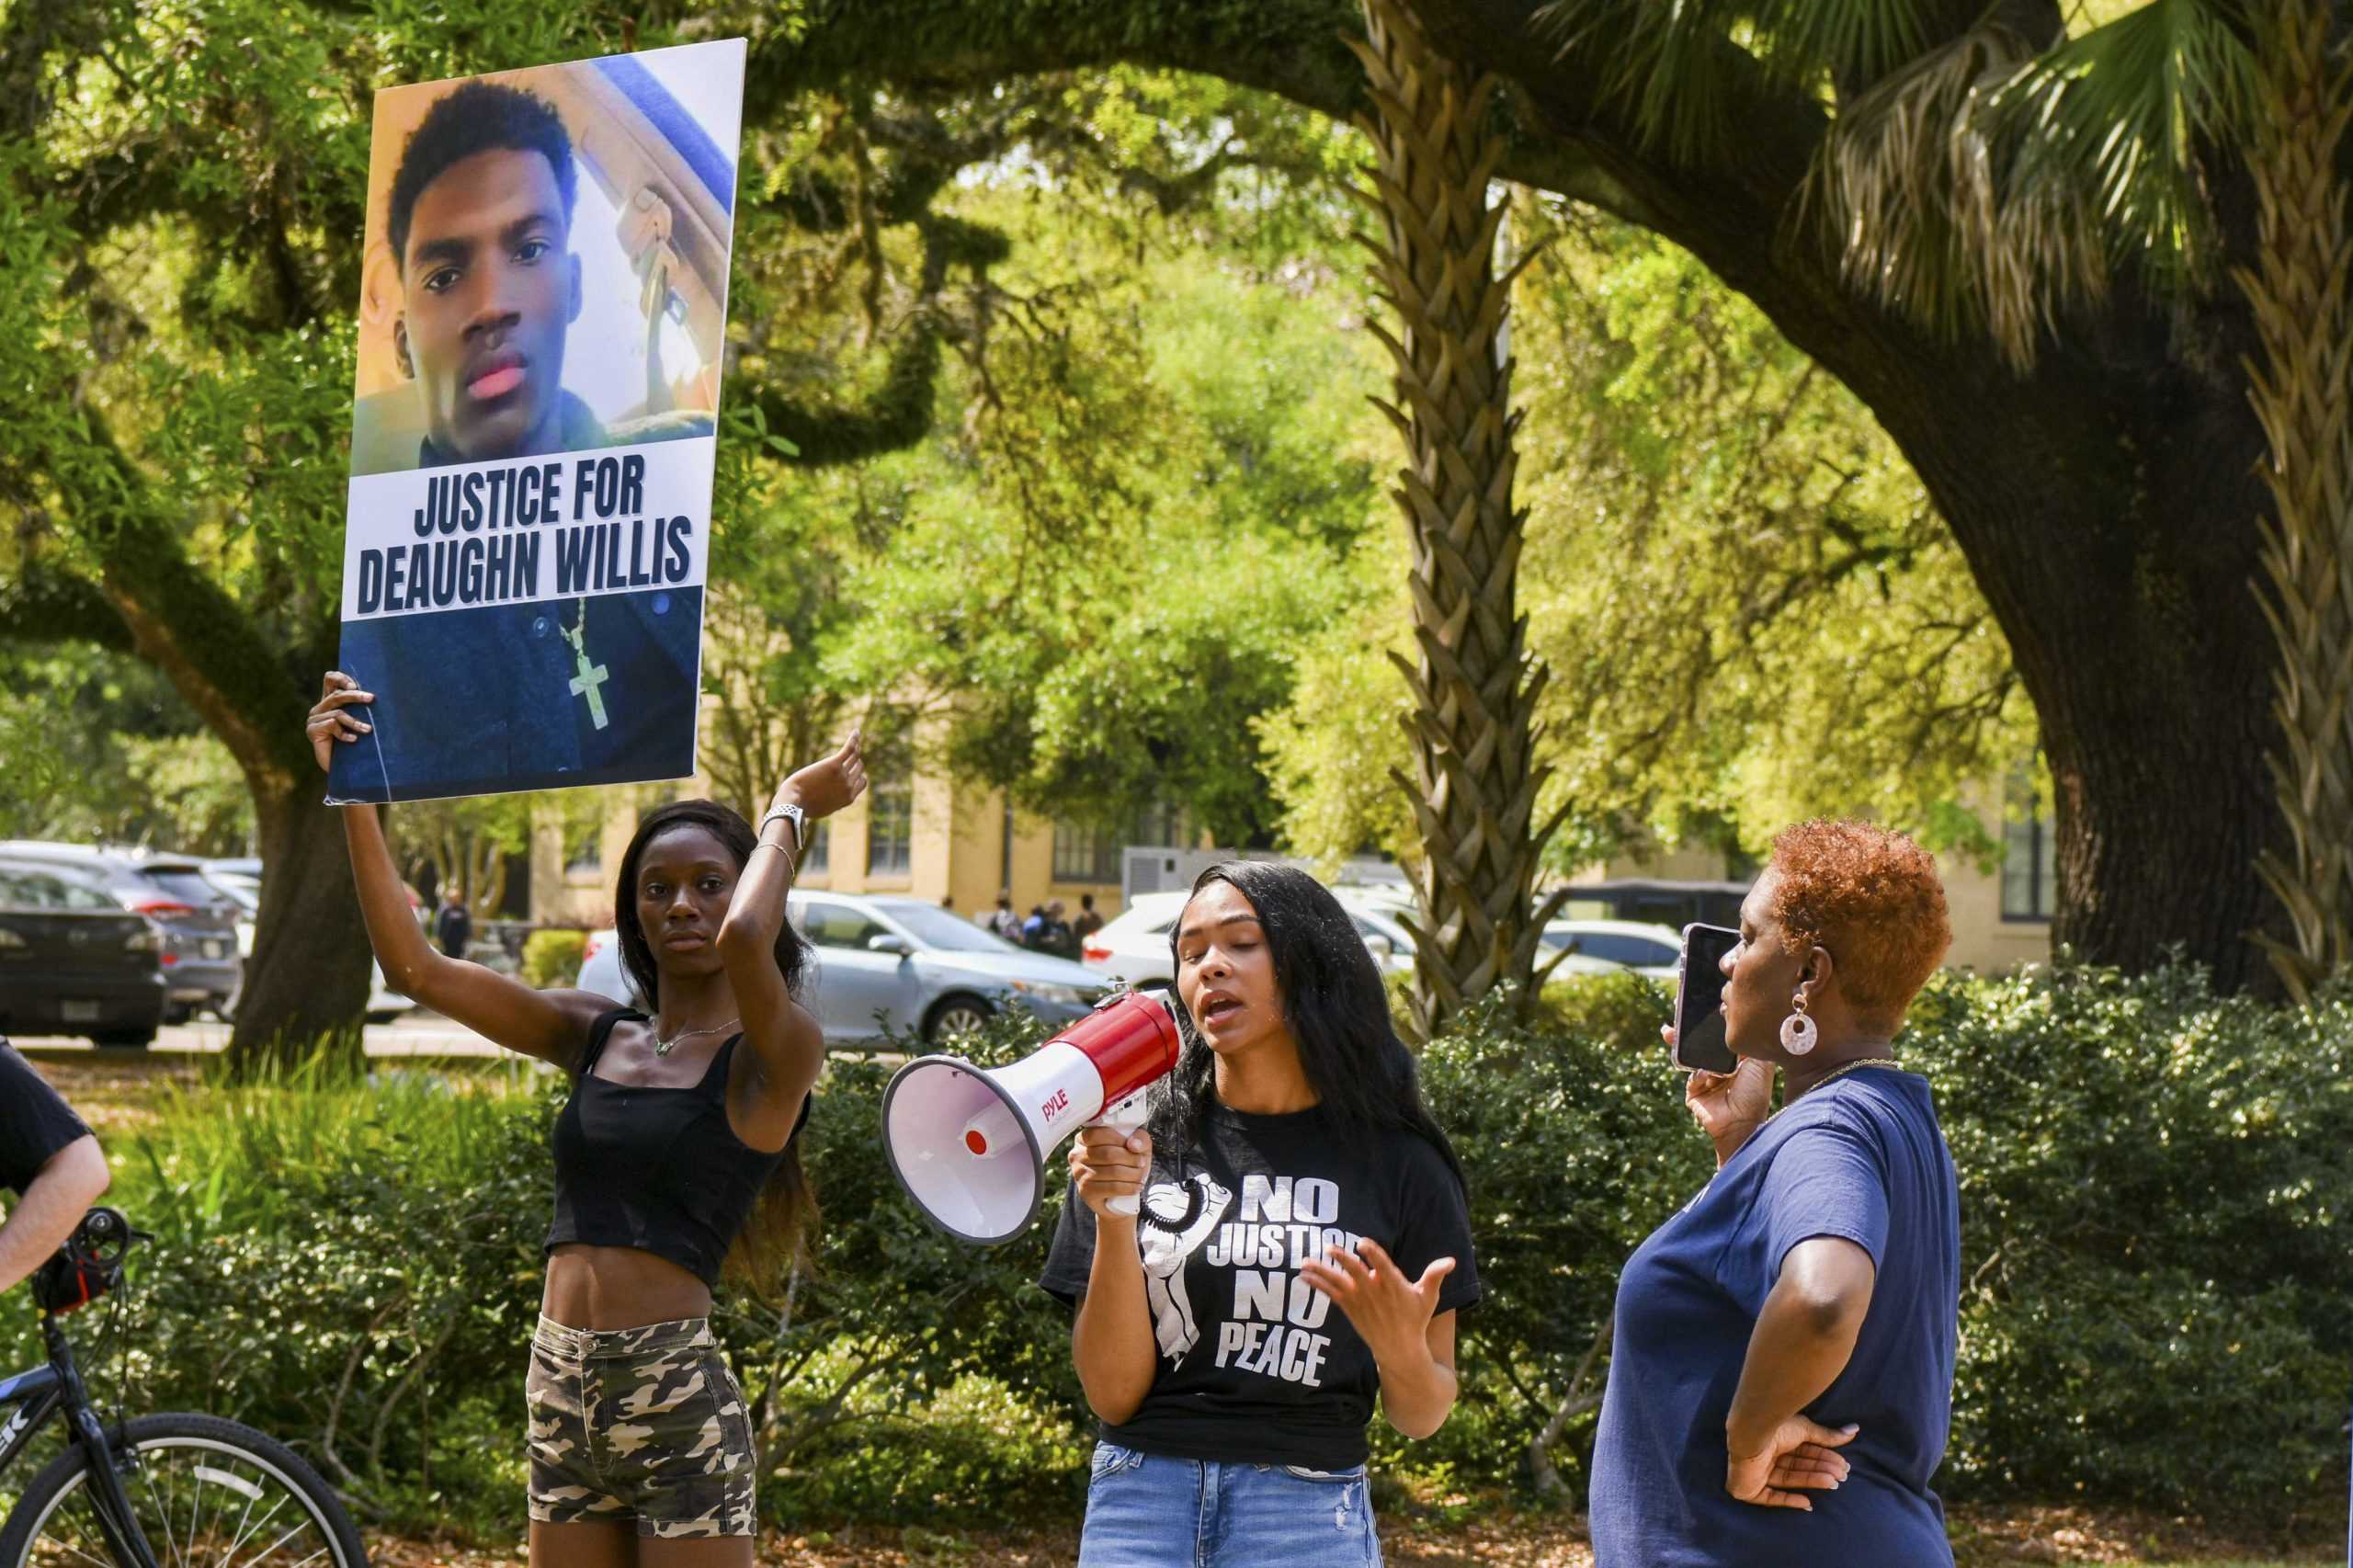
168	1129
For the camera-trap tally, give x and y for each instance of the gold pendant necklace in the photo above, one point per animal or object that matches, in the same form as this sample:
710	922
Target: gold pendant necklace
662	1047
1851	1067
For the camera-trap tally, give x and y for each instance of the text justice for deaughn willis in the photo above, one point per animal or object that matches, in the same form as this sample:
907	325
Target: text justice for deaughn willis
478	537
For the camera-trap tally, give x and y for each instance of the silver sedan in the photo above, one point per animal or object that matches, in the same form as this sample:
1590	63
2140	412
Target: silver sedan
897	963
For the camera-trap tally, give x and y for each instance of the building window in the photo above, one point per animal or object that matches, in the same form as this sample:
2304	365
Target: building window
2029	863
818	858
890	830
1084	855
584	860
1163	827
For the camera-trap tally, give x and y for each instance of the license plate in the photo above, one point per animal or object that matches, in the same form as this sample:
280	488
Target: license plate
78	1012
215	950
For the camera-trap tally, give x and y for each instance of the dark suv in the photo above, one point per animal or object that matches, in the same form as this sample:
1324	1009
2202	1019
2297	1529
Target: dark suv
201	970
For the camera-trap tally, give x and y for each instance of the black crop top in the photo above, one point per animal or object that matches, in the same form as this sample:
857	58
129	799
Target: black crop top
656	1169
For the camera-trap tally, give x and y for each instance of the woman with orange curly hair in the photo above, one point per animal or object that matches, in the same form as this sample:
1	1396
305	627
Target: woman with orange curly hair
1780	1383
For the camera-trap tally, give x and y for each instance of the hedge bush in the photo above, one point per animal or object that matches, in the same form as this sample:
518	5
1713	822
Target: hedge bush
2155	1189
552	958
2154	1186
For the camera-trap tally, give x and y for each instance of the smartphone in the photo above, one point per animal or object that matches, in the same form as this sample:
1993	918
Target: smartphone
1698	988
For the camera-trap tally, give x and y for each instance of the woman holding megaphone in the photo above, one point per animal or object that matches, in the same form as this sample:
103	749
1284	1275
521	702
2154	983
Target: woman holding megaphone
675	1155
1289	1168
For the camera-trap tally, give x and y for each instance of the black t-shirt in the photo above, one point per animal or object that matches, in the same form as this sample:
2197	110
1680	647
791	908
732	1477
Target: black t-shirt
35	1120
1256	1366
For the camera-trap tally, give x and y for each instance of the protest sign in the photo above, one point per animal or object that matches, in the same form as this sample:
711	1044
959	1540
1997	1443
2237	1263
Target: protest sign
541	323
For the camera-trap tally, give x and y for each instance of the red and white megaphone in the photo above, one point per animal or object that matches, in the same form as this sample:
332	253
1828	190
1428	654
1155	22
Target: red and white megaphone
970	1144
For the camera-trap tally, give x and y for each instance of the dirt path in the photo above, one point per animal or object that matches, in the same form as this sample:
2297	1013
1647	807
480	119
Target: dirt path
1983	1538
1498	1544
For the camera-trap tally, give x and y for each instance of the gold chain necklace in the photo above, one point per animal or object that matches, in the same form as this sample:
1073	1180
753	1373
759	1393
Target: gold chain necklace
662	1047
1851	1067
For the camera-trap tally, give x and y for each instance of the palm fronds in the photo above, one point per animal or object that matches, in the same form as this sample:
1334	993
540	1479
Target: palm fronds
1909	189
1977	182
1671	65
2130	113
1662	64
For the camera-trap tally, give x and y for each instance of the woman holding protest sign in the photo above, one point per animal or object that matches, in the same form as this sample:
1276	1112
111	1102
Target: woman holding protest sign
675	1155
1781	1379
1289	1167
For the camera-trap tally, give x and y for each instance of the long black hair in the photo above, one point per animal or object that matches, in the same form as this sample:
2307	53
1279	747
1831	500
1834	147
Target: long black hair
776	1235
1363	1076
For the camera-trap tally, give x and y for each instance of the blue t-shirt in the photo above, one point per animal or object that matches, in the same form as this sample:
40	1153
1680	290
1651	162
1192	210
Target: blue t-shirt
1860	1158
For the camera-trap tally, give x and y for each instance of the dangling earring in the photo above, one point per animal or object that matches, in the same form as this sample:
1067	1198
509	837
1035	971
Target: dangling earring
1798	1033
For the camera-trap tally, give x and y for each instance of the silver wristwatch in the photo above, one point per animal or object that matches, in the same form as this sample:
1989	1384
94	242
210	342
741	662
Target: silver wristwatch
793	814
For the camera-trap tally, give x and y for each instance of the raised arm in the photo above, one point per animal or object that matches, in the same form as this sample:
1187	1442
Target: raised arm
550	1025
789	1043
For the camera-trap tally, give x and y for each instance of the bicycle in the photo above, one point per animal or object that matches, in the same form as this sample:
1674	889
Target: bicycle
115	1492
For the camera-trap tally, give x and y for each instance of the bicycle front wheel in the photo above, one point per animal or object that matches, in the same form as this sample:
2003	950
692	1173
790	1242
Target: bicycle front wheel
205	1491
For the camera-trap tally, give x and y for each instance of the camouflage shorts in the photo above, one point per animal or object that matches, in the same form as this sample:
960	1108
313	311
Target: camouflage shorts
642	1426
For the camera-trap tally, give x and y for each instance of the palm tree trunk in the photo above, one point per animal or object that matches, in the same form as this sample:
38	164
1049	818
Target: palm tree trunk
2297	291
1475	685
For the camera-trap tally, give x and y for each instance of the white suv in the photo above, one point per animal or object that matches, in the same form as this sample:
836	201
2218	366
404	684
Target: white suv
1133	945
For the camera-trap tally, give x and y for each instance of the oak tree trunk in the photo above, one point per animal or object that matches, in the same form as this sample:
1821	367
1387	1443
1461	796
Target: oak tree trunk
307	981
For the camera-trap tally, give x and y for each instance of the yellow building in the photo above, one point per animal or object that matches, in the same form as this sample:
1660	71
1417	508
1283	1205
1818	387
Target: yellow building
955	842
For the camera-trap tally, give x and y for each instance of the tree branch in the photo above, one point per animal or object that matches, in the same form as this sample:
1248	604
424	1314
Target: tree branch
179	618
46	605
1294	49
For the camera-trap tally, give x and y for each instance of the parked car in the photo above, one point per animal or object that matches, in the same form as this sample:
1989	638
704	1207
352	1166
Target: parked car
898	963
1132	945
73	960
600	969
1377	922
201	969
244	887
1603	946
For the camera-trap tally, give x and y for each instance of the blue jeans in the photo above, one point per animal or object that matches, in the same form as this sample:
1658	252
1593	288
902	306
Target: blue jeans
1151	1511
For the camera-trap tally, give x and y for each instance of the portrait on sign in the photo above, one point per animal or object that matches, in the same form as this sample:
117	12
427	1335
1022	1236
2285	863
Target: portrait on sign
543	317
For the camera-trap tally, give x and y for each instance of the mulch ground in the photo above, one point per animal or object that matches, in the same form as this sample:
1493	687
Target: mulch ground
116	1094
1983	1537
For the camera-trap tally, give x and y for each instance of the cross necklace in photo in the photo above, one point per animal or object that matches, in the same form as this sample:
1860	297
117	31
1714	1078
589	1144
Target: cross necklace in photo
590	677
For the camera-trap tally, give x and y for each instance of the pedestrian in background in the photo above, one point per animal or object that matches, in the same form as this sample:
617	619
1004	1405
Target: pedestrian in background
1003	921
453	927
